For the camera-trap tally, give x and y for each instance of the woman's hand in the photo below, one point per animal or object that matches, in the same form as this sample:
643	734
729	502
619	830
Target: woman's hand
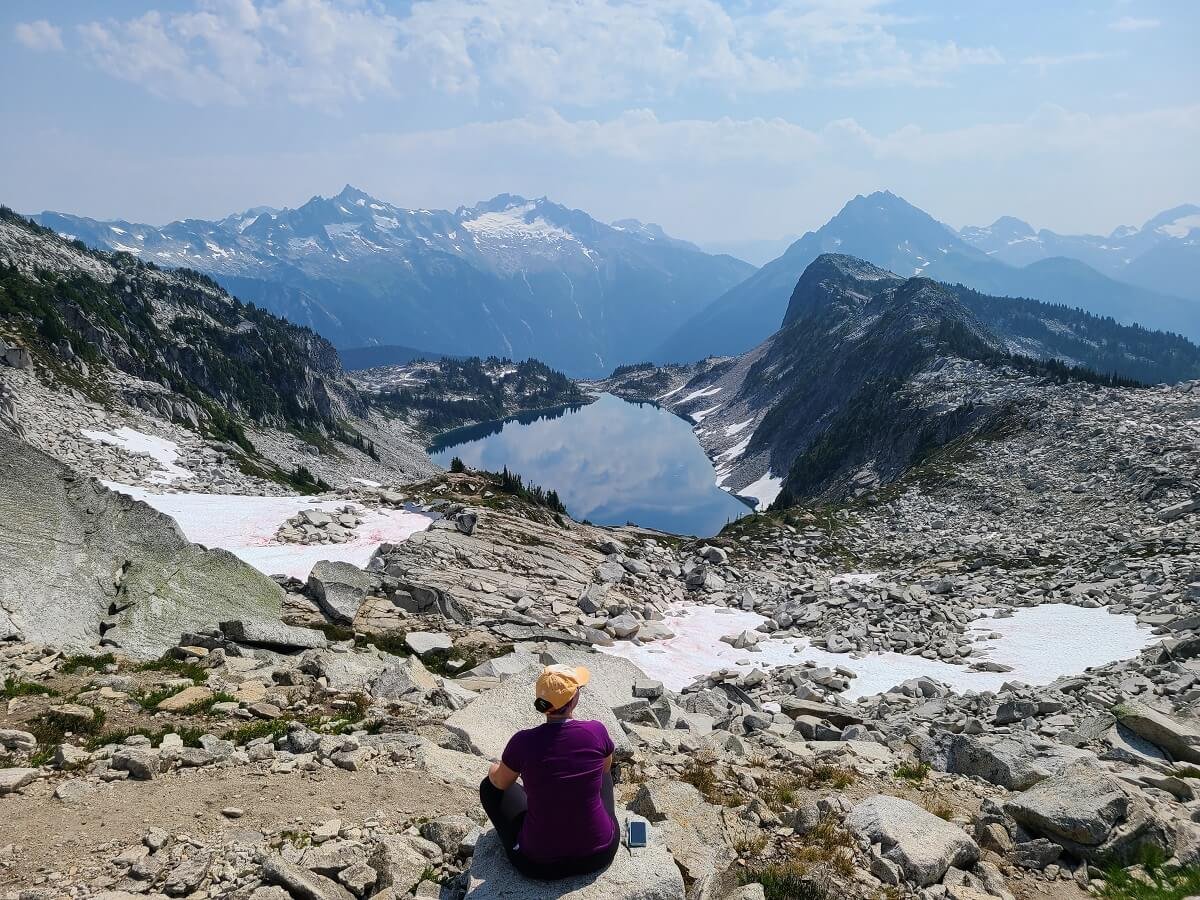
501	776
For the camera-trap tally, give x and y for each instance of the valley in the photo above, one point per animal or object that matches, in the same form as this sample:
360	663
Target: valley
901	601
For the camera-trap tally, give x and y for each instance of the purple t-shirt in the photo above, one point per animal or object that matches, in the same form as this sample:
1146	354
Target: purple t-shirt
562	766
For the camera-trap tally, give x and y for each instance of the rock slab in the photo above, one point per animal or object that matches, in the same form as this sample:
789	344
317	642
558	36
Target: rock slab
647	873
916	840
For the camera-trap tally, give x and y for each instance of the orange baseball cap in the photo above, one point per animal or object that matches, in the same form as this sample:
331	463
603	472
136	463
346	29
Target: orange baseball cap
558	684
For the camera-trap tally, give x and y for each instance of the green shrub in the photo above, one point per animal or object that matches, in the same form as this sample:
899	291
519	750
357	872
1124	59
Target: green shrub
913	771
15	688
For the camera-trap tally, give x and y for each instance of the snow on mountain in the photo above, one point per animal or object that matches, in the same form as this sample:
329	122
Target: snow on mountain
509	276
1162	255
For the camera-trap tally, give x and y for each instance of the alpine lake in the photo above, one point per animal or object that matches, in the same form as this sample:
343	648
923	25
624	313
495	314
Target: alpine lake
612	462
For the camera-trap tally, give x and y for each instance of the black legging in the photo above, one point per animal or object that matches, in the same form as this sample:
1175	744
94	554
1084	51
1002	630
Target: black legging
507	811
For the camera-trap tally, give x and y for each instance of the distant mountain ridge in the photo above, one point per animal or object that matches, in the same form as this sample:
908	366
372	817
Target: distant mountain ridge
1163	255
509	276
871	372
198	354
892	233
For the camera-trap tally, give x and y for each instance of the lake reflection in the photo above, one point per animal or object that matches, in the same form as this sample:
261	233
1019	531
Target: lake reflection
611	462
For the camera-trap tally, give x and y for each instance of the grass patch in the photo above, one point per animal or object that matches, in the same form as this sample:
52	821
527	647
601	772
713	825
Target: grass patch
51	727
940	808
272	728
700	773
750	844
176	667
191	736
780	793
72	664
204	707
149	700
916	772
829	776
437	661
14	688
1168	883
1186	772
337	633
828	849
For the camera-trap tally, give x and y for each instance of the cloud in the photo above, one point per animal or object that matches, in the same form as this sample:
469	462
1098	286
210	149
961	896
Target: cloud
570	53
1130	23
1045	63
39	35
703	179
233	52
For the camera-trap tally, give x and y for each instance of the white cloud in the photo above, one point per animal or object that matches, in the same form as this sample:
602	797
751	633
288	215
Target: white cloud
311	52
703	179
39	35
1131	23
571	53
1045	63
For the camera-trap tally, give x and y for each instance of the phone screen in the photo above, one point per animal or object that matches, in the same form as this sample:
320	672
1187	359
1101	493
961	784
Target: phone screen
637	833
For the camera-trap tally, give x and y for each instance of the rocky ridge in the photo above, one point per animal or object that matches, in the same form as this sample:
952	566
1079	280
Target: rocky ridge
870	374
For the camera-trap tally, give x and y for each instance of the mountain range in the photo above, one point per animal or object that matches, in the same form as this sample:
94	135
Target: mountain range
890	232
1163	255
509	276
871	373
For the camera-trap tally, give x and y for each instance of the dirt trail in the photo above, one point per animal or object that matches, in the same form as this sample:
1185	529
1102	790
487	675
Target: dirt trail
49	836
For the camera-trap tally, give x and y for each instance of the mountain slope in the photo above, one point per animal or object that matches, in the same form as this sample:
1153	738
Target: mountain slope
222	360
871	373
1163	255
254	403
891	233
510	276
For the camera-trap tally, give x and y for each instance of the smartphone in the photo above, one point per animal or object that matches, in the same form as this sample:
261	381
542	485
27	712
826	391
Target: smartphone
636	832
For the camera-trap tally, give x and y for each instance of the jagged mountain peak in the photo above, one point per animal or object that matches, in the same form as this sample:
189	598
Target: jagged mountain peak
884	201
850	296
836	279
1176	222
510	276
1012	225
352	194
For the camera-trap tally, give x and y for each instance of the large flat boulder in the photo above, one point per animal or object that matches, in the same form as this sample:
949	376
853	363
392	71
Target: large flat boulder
489	721
273	635
694	831
1179	739
646	873
450	765
1091	815
916	840
1012	762
795	707
75	556
339	589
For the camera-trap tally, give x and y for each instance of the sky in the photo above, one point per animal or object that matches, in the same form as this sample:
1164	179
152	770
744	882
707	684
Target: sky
721	121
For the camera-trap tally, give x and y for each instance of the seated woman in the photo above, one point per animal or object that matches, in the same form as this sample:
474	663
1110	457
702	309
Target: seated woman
562	822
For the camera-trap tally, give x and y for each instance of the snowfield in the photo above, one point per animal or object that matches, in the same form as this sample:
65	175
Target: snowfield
161	450
764	491
246	526
1041	643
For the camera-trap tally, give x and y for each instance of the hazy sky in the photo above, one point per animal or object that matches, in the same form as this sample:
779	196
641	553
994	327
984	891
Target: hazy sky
719	120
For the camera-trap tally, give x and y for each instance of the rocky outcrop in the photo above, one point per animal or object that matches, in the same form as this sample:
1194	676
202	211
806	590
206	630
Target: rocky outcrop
14	355
923	846
1091	815
645	873
1015	762
81	566
1179	739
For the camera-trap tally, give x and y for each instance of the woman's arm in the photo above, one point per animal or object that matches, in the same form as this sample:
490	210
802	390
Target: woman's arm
502	777
608	762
